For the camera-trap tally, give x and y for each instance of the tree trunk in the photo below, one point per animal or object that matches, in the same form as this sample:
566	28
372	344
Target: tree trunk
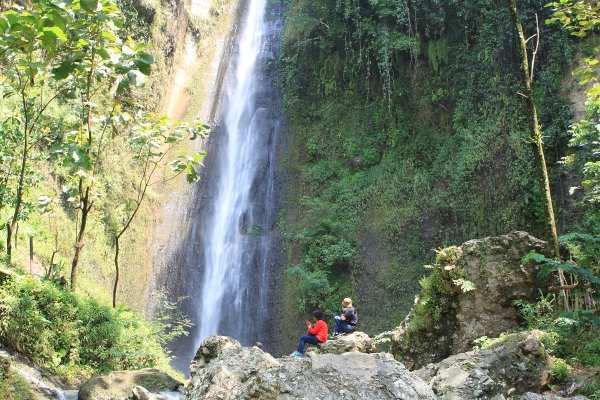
114	297
535	132
86	206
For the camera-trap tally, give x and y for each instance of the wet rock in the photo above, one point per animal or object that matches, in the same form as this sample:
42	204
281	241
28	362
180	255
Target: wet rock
119	385
516	364
248	373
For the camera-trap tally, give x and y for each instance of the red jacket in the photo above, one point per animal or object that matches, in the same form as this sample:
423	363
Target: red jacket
319	330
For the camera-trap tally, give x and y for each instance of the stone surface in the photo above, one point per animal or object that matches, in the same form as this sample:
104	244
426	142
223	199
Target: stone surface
535	396
358	342
249	373
516	364
494	265
119	385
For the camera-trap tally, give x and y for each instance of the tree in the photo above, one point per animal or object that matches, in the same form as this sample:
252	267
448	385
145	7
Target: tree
30	43
535	132
580	17
97	67
151	143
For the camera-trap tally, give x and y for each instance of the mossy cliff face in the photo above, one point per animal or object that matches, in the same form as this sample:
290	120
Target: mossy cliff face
470	294
407	133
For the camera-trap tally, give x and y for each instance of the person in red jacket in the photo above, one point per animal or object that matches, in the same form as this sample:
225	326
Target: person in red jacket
317	333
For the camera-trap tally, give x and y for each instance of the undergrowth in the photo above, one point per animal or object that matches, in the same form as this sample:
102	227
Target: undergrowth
76	337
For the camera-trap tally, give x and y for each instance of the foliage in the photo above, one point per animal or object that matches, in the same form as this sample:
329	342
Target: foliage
585	157
585	250
580	17
76	337
14	387
539	314
560	372
407	124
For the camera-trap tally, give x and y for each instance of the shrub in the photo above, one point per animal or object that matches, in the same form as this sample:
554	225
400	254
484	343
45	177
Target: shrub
75	336
561	371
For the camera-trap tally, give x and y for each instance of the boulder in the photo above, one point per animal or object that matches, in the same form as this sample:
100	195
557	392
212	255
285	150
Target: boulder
249	373
119	385
517	363
358	342
493	265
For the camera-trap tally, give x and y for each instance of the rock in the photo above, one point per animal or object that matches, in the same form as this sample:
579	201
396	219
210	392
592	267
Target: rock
494	266
210	349
351	342
517	364
249	373
141	393
534	396
119	385
383	341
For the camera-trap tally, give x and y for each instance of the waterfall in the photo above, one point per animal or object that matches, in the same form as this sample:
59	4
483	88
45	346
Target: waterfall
227	261
225	245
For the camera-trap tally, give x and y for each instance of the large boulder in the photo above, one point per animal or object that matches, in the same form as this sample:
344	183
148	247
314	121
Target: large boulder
493	265
355	342
119	385
248	373
513	365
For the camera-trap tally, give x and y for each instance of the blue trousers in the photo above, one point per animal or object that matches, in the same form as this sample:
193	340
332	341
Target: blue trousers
312	339
342	326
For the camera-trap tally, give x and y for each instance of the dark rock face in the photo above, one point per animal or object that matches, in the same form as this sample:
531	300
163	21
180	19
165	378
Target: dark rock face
223	369
494	265
518	363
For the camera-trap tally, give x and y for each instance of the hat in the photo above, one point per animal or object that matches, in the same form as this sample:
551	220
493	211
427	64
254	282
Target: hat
347	302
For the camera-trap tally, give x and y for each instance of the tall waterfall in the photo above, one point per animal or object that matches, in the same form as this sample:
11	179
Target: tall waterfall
226	250
227	263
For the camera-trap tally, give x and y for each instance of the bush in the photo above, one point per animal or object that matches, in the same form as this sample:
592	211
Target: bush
75	336
561	371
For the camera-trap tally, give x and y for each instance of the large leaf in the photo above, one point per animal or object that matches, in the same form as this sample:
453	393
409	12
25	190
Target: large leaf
63	70
144	68
57	31
89	5
145	58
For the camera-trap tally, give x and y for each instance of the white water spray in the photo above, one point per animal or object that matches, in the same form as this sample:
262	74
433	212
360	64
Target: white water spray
227	233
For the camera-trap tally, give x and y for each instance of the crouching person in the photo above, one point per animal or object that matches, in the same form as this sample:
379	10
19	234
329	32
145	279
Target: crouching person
317	333
345	323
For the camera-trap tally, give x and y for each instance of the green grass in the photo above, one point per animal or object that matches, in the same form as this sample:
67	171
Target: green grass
14	387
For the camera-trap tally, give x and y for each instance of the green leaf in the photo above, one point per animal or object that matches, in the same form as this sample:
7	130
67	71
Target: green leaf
57	31
145	58
63	70
3	24
143	67
89	5
104	54
109	35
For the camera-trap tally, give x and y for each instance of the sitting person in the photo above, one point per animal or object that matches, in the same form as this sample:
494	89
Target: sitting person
316	334
345	323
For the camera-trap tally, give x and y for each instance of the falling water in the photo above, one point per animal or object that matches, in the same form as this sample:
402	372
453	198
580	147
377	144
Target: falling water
227	262
226	242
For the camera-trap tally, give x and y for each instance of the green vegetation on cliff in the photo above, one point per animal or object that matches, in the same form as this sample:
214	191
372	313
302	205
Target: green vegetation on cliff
408	133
